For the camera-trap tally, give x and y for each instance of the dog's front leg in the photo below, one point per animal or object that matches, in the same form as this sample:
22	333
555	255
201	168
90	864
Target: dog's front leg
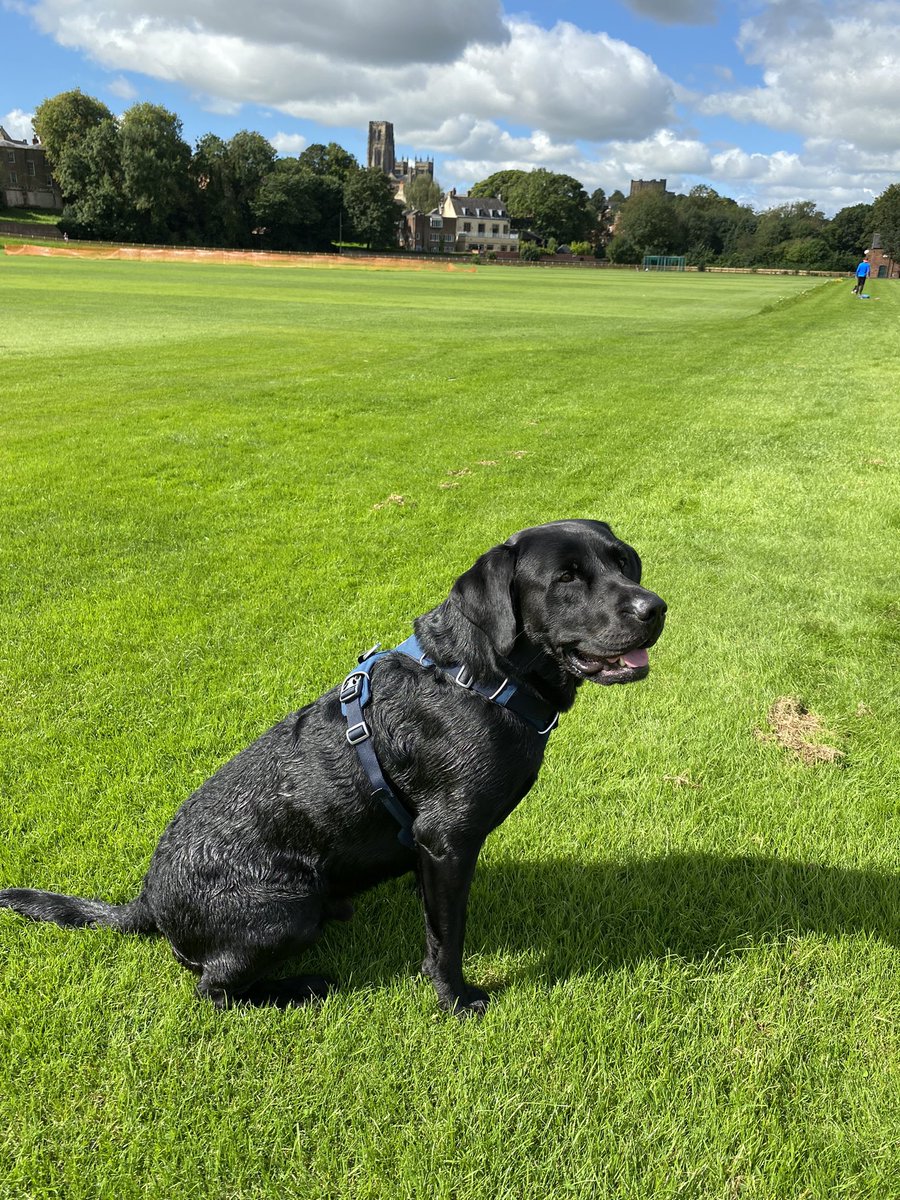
445	876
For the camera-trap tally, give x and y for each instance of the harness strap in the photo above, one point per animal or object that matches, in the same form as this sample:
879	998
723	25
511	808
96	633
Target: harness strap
506	693
356	692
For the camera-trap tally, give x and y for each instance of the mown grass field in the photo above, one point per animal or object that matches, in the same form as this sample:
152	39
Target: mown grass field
218	486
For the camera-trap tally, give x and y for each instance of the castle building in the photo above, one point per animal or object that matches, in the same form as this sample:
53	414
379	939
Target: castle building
648	185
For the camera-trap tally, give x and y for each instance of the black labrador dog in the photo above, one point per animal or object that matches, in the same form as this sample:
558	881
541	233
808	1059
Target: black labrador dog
282	836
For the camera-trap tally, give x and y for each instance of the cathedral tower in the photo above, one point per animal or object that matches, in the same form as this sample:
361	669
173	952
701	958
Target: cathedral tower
381	146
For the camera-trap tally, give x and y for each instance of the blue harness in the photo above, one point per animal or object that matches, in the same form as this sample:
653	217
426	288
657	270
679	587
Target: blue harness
356	692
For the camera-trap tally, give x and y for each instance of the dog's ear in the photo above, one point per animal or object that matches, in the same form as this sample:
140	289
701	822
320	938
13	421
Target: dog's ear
484	594
634	562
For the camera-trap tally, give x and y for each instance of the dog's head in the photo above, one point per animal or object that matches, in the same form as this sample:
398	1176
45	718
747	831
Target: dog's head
573	589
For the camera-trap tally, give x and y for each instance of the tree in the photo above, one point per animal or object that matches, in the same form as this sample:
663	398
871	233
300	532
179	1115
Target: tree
97	207
62	122
710	223
648	223
886	220
214	216
504	184
286	206
621	250
331	160
371	208
807	254
423	193
781	224
598	207
552	205
598	204
249	160
155	162
849	233
557	206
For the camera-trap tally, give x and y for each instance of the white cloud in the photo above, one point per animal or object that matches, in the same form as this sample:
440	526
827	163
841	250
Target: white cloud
18	124
828	69
289	143
664	154
832	174
386	32
123	88
329	66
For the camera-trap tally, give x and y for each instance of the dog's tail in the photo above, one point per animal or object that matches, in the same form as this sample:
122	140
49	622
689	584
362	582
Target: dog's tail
75	913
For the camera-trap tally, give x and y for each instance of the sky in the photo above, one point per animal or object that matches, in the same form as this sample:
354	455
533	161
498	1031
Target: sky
767	101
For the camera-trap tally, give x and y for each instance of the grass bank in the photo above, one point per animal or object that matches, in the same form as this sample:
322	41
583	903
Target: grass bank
219	485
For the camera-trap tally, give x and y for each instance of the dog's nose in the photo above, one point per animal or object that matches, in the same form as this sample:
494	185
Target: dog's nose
648	607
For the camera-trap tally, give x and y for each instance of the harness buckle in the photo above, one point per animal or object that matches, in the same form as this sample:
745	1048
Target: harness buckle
351	688
358	733
464	677
553	724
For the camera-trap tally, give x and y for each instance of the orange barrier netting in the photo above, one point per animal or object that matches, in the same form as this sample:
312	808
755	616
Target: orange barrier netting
254	258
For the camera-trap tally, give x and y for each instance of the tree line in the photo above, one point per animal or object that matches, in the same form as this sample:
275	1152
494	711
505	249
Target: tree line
134	178
708	229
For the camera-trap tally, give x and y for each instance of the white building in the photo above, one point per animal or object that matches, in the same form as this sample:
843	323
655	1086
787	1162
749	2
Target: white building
482	224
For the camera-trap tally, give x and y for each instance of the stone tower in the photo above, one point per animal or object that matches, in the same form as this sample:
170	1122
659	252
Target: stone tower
381	146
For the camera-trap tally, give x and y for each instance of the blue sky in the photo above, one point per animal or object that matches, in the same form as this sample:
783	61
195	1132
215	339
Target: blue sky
766	100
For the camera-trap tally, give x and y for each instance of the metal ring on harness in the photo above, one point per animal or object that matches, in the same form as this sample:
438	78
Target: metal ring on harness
464	677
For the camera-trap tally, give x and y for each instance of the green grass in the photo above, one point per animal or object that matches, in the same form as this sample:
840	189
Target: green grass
36	216
692	936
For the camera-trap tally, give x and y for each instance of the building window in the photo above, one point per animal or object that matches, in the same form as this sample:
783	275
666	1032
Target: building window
13	178
481	228
11	156
437	223
467	226
30	165
495	229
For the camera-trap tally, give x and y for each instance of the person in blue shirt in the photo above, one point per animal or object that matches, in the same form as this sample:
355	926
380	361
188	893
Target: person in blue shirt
862	275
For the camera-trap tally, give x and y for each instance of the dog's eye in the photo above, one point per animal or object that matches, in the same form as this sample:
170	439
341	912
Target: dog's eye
569	574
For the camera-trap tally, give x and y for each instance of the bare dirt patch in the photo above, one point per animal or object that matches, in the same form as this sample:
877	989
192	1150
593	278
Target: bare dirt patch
394	498
795	728
252	258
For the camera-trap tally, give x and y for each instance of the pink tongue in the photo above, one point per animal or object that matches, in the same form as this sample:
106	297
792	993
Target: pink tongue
635	658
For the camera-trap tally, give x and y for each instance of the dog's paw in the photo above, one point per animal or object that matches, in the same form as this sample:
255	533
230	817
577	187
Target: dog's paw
472	1002
463	1002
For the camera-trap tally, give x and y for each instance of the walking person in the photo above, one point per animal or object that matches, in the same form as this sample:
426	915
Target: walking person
862	275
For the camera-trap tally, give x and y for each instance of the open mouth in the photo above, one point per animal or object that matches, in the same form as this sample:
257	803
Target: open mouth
626	667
